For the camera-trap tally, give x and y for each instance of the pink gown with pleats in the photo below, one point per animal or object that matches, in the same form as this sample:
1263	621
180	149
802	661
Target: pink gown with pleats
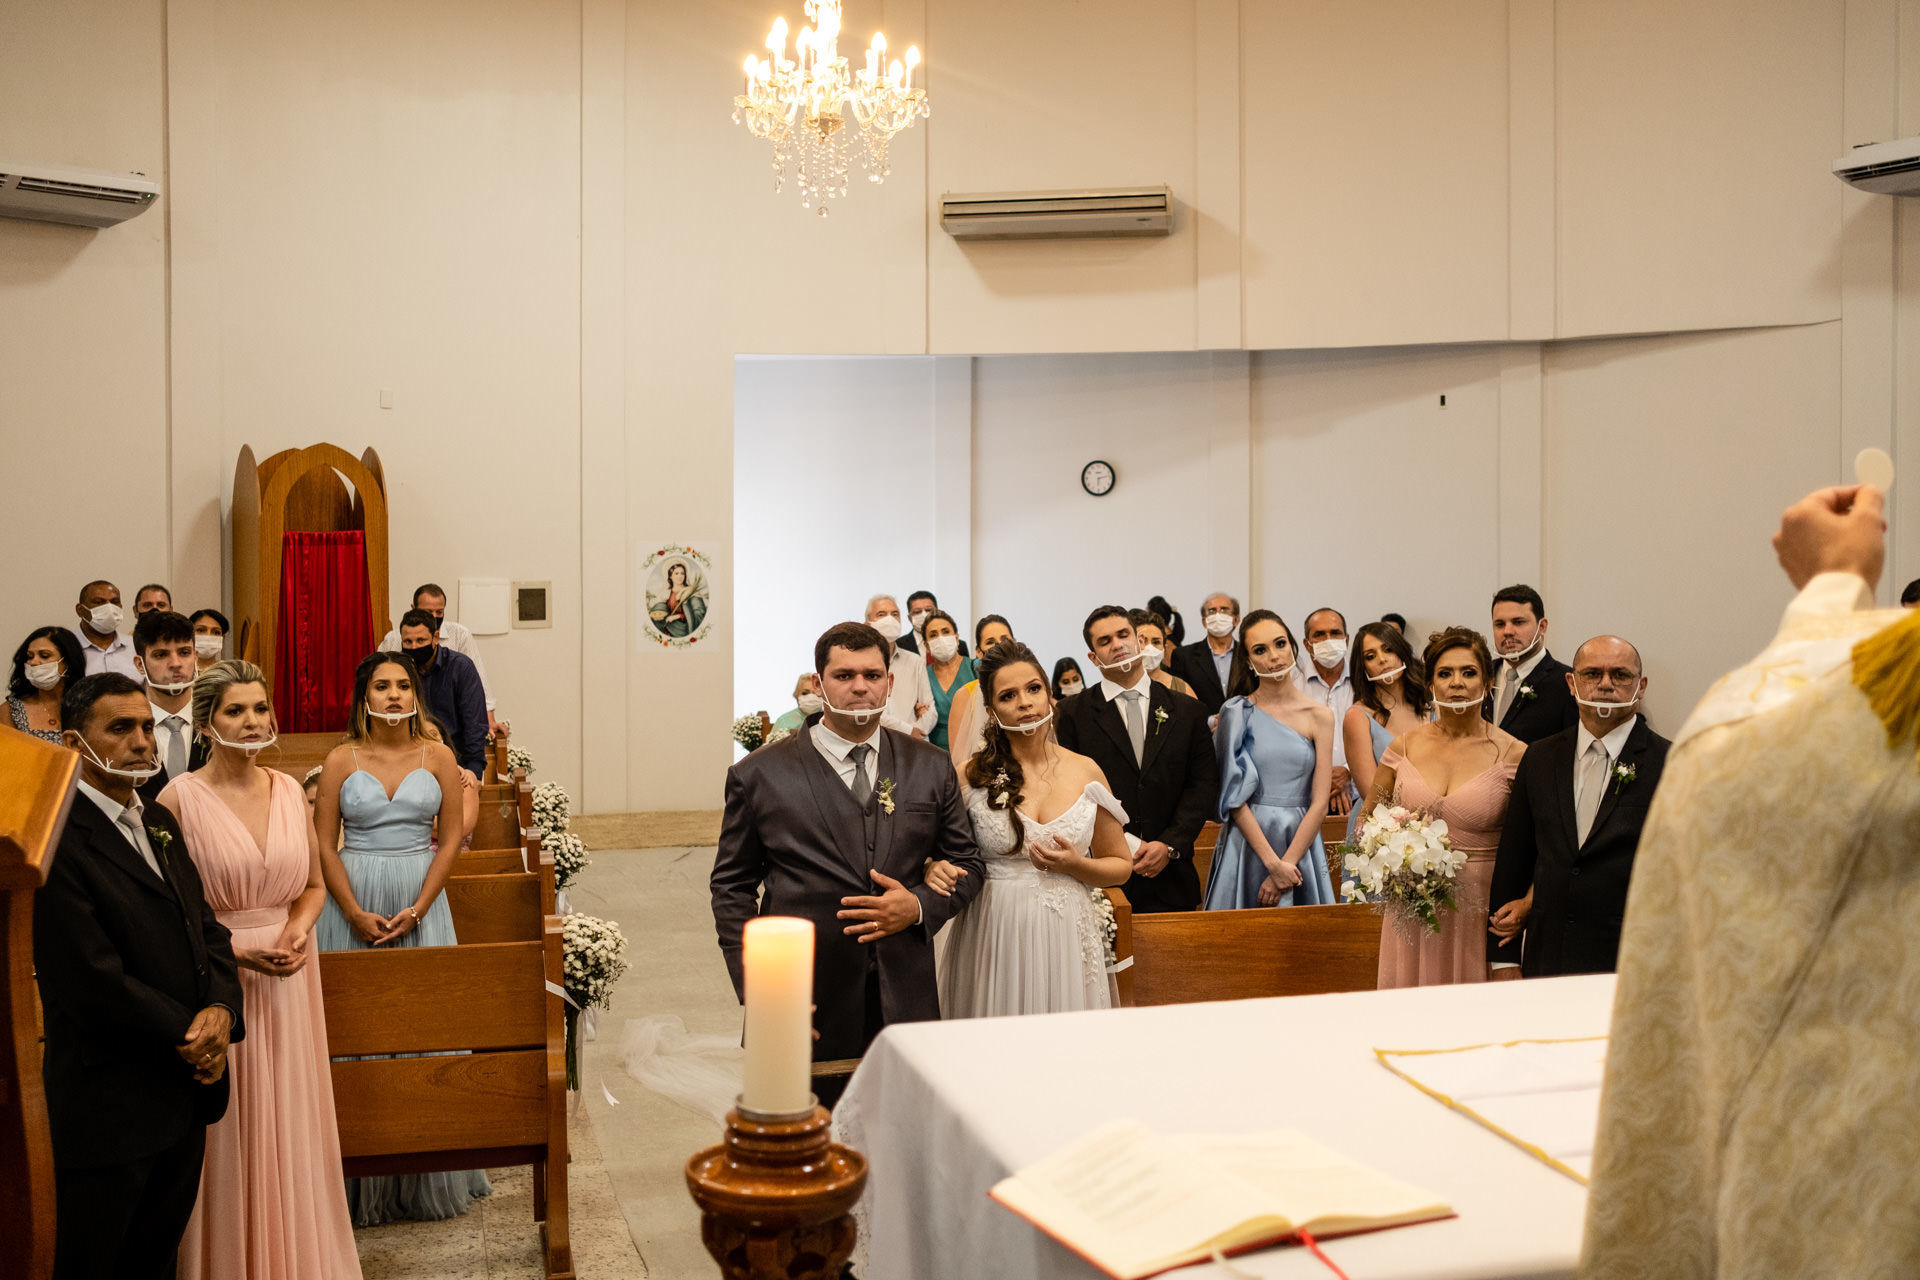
1474	813
273	1205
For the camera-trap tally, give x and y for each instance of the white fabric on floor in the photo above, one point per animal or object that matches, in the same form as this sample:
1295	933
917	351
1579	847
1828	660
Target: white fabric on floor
945	1110
701	1073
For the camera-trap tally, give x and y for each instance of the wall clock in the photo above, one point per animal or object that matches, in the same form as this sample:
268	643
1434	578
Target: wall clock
1097	478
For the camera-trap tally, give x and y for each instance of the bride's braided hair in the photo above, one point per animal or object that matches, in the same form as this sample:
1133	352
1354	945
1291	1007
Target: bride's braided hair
993	768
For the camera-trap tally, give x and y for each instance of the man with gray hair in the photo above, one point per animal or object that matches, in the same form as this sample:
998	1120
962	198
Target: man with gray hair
1578	803
1212	664
910	706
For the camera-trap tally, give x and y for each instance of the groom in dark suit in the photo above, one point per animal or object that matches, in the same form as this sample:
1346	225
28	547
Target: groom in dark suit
142	997
834	824
1529	698
1573	825
1154	747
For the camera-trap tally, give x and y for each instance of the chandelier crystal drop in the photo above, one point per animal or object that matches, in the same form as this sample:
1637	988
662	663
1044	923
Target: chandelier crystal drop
800	105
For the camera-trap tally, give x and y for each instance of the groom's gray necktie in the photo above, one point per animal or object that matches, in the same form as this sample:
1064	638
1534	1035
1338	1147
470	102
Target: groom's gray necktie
862	788
1593	786
1136	709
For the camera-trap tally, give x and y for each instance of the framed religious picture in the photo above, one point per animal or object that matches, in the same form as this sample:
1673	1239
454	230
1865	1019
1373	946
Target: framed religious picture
679	605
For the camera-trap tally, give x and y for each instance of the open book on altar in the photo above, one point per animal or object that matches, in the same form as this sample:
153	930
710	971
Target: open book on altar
1135	1203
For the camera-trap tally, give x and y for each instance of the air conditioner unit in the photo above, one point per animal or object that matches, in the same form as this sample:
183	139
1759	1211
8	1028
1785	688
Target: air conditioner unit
1884	168
82	197
1033	215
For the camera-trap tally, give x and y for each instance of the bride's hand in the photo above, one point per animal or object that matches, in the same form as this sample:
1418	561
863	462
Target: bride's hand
942	876
1053	855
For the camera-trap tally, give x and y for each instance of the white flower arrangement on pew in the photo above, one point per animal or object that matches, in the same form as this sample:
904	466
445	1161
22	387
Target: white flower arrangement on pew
750	732
1109	927
552	810
1404	862
569	856
594	955
553	815
520	758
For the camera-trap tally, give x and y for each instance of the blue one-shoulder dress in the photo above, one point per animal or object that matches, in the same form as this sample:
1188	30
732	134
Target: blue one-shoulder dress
386	856
1268	766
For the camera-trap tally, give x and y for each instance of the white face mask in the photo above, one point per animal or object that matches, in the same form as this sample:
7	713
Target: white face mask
209	646
1070	687
105	619
944	648
1155	656
1390	675
1519	656
1284	673
1035	727
170	690
1330	652
393	717
888	626
46	675
1475	705
133	775
251	748
1219	624
808	703
1606	710
920	617
1120	664
859	715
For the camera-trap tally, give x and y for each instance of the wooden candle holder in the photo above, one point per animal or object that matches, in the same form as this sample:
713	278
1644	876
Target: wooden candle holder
776	1197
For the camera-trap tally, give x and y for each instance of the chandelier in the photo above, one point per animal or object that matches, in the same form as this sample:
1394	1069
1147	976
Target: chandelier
799	105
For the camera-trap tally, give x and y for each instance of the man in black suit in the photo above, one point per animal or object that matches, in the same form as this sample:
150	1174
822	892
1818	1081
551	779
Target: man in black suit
163	651
142	997
834	824
919	606
1212	664
1154	747
1530	698
1573	825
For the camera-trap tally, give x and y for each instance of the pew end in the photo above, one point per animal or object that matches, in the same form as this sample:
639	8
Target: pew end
1181	957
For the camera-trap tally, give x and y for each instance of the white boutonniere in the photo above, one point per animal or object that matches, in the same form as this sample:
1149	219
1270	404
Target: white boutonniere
1527	694
1159	718
1623	776
161	838
886	795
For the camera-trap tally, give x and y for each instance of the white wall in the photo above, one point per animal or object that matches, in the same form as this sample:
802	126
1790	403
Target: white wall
816	435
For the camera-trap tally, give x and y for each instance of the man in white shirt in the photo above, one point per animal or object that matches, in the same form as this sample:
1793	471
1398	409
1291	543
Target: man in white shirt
99	631
1328	681
163	648
910	705
452	635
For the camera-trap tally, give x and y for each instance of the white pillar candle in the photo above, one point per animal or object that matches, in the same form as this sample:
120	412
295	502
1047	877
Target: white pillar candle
777	952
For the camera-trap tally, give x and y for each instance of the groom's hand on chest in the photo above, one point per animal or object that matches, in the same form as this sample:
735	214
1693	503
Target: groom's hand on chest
872	918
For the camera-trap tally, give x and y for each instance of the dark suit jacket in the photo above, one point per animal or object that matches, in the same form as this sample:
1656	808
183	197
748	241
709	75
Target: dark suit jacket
1168	796
792	843
197	754
1550	710
912	645
125	960
452	690
1194	664
1579	894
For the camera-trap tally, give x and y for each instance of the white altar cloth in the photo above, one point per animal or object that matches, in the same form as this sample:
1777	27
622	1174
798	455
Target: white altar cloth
943	1110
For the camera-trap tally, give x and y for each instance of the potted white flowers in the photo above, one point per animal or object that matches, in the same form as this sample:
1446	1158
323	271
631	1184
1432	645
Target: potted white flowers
594	956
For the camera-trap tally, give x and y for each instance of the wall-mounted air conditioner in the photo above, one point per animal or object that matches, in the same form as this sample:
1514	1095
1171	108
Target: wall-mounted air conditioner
1033	215
82	197
1884	168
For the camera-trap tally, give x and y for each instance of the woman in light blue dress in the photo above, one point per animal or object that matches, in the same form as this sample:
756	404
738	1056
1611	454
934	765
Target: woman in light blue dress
385	786
1275	749
1390	699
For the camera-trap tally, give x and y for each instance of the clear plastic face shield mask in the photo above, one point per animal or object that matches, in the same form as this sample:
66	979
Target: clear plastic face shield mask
1606	710
132	775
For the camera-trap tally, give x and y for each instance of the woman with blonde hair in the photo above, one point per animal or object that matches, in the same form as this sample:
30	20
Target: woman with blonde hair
271	1203
384	787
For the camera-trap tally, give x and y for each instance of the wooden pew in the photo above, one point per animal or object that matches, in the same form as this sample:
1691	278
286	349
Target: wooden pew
296	753
501	1100
1122	943
498	824
1203	845
1185	956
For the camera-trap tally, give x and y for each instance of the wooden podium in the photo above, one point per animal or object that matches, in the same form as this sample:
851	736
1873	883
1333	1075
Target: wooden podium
36	786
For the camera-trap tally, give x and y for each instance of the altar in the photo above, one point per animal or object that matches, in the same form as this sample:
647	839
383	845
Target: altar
943	1110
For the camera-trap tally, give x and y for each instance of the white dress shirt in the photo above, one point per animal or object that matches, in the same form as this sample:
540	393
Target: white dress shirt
1507	675
117	656
167	724
457	638
1336	697
1613	744
116	813
910	689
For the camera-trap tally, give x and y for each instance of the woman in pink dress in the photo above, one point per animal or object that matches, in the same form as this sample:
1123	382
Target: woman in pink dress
1460	767
272	1205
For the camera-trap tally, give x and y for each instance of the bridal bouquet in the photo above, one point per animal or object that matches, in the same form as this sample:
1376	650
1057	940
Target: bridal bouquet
748	733
1403	860
594	955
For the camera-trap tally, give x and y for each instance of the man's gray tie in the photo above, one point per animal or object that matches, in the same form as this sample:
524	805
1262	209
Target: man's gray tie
1509	683
1136	722
862	788
176	746
1593	785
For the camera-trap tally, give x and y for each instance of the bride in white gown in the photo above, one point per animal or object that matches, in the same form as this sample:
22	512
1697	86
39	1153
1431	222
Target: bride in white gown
1050	833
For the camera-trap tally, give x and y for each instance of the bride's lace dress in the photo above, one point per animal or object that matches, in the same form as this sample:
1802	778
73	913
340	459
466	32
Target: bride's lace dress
1031	942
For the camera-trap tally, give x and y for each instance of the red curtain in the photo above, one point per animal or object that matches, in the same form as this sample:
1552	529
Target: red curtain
325	629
